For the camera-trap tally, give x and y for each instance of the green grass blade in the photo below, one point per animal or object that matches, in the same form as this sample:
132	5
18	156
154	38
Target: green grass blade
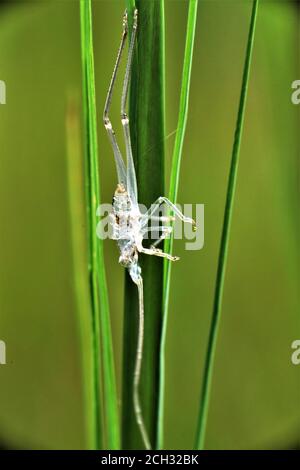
146	113
212	341
174	182
80	268
101	319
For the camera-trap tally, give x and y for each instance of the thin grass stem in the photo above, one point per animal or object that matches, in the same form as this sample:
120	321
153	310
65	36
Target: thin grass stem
174	183
101	320
222	260
82	296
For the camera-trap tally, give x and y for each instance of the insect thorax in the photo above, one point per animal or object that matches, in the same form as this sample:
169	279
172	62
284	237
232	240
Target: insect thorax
121	201
126	226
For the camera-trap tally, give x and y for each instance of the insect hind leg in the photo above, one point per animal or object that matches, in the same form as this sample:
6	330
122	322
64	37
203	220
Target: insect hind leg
163	200
121	170
153	251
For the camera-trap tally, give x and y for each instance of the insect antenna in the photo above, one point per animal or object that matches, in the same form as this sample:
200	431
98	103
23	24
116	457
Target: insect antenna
138	366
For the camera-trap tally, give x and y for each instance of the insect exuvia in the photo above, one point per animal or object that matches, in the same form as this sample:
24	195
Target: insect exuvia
129	225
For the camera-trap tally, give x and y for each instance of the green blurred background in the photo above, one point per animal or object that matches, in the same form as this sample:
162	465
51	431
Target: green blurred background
256	389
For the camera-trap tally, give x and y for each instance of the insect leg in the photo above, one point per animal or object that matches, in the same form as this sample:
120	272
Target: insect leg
163	200
156	252
131	176
156	228
121	170
149	214
157	218
165	232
